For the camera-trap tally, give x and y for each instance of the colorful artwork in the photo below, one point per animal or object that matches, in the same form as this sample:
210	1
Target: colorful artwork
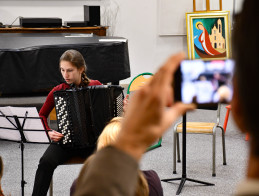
208	35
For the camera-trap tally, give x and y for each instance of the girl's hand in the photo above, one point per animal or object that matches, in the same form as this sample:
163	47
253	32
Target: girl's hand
55	136
125	103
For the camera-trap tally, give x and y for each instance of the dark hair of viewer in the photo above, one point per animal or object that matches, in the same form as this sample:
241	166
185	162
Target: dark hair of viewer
246	56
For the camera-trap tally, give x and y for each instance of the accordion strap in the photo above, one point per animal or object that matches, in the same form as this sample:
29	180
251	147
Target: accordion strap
77	109
91	108
109	96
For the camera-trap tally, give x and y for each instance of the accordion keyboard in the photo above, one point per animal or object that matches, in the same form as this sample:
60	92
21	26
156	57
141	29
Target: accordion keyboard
63	119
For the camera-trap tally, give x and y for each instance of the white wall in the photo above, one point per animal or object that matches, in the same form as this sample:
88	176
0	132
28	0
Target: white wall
67	10
137	20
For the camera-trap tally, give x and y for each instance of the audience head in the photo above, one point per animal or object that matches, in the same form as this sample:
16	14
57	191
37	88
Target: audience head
73	62
245	104
109	133
109	136
224	93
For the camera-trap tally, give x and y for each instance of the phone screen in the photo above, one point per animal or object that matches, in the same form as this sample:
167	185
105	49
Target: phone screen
205	82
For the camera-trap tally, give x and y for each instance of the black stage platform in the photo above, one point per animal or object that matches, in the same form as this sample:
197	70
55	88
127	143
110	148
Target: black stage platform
29	63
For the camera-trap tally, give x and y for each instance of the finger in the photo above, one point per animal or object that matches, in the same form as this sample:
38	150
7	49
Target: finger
57	133
165	73
125	100
56	138
59	136
161	83
176	111
175	60
50	133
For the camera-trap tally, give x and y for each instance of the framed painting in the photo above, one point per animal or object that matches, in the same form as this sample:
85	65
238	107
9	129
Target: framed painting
208	35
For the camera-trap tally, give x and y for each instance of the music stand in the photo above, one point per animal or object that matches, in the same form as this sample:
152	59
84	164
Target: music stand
22	125
184	175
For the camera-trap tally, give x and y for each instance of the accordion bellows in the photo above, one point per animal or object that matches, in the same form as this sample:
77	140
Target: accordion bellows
83	113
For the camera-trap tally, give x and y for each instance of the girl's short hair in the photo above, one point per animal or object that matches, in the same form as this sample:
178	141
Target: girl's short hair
110	133
109	136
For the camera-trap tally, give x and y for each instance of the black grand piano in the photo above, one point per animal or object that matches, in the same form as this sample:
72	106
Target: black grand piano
29	63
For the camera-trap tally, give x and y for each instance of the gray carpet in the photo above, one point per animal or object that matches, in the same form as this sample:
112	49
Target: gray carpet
199	162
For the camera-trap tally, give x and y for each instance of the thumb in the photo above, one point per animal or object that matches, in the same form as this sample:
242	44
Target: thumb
174	112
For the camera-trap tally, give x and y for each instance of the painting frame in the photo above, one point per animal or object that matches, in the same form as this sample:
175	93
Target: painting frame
212	43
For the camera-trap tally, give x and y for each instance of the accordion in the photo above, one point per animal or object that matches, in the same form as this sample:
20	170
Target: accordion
83	113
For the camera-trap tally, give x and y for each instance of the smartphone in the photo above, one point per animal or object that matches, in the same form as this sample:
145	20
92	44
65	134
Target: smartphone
204	82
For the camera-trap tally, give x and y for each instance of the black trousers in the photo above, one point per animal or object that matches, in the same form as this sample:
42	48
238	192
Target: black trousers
54	155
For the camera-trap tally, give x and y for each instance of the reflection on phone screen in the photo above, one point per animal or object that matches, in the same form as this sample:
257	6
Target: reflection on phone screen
206	81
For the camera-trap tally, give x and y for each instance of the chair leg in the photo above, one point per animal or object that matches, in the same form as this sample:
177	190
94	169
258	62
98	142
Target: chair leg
51	188
226	118
223	146
178	148
214	154
174	156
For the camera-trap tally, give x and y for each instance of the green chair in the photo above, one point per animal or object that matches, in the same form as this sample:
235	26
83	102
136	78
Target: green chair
134	85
